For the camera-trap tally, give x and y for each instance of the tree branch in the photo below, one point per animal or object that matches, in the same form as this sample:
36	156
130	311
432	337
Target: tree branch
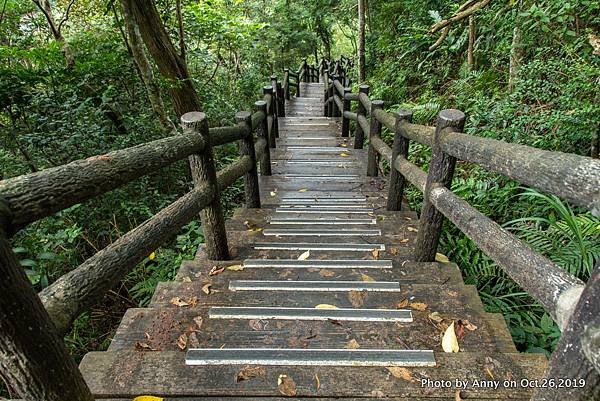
66	16
459	15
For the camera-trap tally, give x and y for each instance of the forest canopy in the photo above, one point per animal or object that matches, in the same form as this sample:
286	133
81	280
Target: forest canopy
82	77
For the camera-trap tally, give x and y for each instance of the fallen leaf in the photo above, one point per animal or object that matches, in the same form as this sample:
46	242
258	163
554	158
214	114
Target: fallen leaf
435	317
206	288
449	340
256	324
459	329
272	193
381	217
318	381
198	320
193	301
352	344
393	251
357	298
344	154
235	268
453	293
326	273
304	256
302	190
248	372
365	277
144	347
402	304
420	306
343	145
414	230
440	257
179	302
375	253
457	396
400	373
325	306
147	398
469	326
182	341
186	280
377	393
152	256
404	240
286	386
216	270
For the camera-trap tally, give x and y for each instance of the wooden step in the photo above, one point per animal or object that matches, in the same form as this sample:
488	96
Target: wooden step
127	374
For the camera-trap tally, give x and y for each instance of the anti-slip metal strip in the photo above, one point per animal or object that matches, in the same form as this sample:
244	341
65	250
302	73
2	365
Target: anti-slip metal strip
310	357
319	246
282	313
317	264
320	285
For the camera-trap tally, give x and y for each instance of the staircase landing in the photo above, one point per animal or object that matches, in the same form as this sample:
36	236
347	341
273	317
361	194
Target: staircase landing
259	318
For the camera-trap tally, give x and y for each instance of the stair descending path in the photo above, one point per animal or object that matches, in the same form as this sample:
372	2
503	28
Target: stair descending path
322	299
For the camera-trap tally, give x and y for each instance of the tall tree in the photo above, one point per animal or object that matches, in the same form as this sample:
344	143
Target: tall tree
361	40
56	29
169	62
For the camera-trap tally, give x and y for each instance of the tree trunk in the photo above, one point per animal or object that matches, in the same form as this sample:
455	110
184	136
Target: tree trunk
361	41
169	62
46	8
470	60
516	58
140	59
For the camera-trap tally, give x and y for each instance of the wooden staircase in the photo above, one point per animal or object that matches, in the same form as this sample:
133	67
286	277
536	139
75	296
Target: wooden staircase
320	200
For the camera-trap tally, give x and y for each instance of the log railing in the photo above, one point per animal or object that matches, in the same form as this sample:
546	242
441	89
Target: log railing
571	177
32	325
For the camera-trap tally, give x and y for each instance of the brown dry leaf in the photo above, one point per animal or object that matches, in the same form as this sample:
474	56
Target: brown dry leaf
325	306
235	268
440	257
317	381
182	341
457	396
376	253
140	346
414	230
400	373
326	273
248	372
365	277
393	251
453	293
357	298
286	386
435	317
459	329
449	340
216	270
469	326
404	240
198	320
352	344
179	302
193	301
206	288
402	304
420	306
256	324
186	280
304	256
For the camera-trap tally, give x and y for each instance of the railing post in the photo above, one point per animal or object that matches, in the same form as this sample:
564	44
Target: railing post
441	170
286	83
359	135
262	131
577	354
204	172
35	363
374	130
336	110
326	94
399	148
345	120
305	69
251	190
268	90
275	105
280	101
331	91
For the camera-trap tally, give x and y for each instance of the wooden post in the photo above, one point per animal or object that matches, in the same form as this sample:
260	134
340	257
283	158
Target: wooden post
251	189
204	172
262	131
326	94
286	83
359	135
268	90
399	148
275	95
336	110
375	130
441	170
345	120
305	69
331	91
280	101
35	363
577	354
